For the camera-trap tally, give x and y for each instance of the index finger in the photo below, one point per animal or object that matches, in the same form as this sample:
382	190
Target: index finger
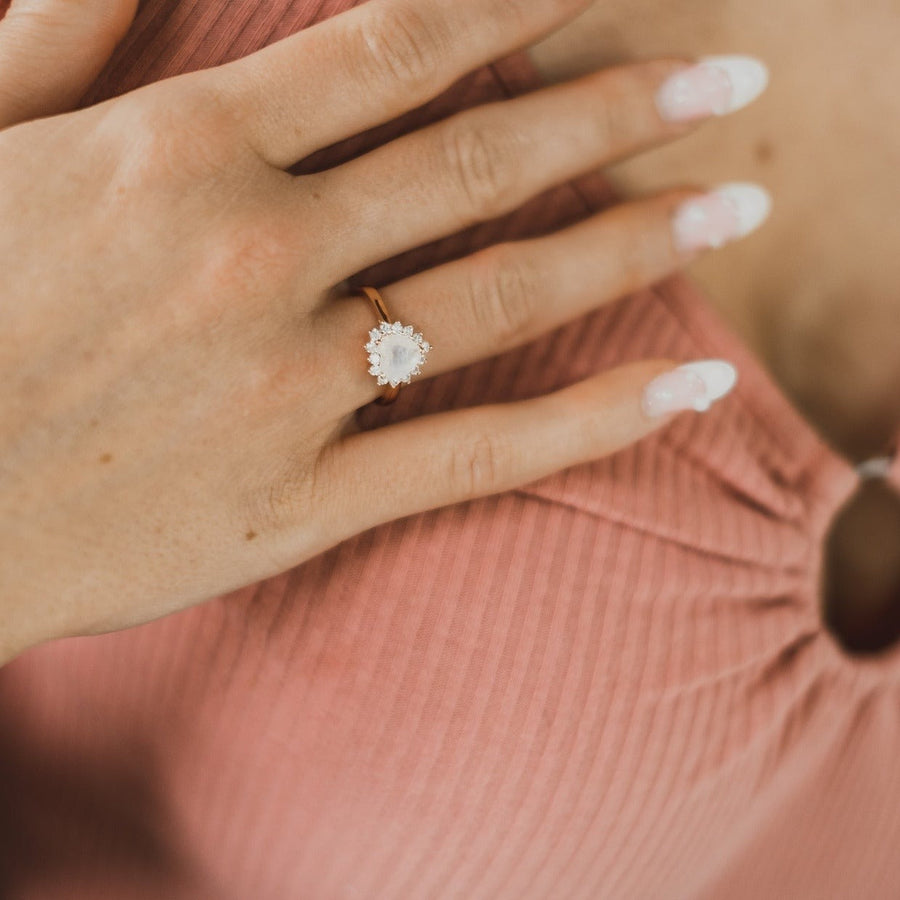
373	63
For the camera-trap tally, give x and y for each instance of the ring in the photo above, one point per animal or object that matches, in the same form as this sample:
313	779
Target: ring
396	352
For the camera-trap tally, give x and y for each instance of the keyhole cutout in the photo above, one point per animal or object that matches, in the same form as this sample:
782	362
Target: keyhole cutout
861	578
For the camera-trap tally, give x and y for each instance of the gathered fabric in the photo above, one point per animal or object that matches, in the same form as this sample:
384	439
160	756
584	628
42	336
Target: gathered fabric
613	683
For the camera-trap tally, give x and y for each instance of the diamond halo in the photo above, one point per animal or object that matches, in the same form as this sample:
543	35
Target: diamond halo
396	353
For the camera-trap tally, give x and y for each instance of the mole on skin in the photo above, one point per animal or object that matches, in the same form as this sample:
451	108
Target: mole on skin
764	151
107	457
251	535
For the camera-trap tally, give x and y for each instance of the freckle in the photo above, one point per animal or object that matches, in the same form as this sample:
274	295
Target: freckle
251	535
765	152
107	457
95	423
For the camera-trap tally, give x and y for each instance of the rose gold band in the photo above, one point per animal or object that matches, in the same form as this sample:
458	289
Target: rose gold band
390	394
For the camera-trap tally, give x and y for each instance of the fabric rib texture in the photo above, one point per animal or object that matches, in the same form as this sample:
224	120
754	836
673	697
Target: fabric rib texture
614	683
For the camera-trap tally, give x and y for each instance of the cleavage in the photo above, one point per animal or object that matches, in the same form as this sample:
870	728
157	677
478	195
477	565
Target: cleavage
861	578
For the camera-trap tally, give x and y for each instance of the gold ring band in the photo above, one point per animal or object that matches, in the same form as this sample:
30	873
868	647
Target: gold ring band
396	352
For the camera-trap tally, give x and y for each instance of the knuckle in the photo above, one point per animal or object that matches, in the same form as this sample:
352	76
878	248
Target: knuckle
275	379
606	123
620	120
400	48
173	133
504	287
478	468
482	163
209	105
640	254
252	257
152	140
284	496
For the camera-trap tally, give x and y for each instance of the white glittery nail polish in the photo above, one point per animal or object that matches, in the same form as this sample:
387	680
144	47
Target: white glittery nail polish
726	213
693	386
715	86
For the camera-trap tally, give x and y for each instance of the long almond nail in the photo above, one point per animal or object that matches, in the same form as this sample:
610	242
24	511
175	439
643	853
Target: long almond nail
728	212
717	85
692	386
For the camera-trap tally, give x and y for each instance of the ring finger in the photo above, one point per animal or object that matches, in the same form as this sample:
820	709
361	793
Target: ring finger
509	294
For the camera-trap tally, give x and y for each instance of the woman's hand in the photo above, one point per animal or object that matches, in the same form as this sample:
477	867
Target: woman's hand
180	378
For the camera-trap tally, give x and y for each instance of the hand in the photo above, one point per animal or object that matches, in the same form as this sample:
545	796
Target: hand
179	377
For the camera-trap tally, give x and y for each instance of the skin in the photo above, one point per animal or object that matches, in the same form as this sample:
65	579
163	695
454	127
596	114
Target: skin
821	315
193	293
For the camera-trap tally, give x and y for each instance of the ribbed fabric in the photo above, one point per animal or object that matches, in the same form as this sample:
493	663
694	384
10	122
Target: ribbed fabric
614	683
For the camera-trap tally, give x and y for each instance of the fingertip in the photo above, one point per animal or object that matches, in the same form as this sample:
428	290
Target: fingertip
611	407
712	86
752	204
724	214
690	386
748	77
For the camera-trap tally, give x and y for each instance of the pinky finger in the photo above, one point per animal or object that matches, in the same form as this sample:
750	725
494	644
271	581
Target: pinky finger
457	456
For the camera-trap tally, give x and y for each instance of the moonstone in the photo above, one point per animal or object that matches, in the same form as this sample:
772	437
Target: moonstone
400	356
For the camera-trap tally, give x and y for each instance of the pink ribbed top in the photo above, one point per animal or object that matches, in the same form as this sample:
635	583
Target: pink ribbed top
614	683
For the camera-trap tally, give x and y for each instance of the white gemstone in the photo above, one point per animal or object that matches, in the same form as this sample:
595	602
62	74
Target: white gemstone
408	330
371	347
399	356
374	334
396	328
426	347
373	370
374	358
385	327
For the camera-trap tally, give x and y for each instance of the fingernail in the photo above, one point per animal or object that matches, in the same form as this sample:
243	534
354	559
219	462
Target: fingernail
692	386
715	86
728	212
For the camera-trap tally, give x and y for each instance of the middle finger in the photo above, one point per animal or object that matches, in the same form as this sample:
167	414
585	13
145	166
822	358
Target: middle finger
488	161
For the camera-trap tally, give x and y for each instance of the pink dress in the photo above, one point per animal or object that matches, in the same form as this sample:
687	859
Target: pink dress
614	683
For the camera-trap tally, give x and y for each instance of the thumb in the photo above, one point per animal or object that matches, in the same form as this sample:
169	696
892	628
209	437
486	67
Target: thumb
51	51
